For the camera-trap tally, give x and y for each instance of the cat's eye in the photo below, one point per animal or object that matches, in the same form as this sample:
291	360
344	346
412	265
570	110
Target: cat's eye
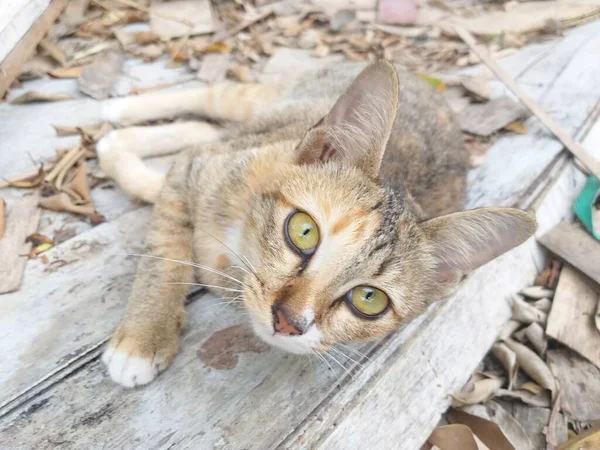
367	301
302	232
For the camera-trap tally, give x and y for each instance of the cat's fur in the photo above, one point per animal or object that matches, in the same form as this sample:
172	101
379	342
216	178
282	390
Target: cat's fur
379	170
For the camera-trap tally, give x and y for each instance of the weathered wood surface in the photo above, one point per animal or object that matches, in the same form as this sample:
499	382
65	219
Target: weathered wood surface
576	246
266	399
21	222
571	319
24	23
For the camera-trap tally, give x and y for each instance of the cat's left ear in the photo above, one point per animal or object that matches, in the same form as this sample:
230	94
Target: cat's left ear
357	128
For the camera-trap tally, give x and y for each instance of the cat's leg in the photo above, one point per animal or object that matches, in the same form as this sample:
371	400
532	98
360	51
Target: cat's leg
120	153
147	338
225	101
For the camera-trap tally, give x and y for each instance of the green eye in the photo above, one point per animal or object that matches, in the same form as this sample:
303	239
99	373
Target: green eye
367	301
301	232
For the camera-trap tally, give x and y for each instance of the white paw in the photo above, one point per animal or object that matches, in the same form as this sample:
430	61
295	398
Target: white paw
129	371
112	110
107	143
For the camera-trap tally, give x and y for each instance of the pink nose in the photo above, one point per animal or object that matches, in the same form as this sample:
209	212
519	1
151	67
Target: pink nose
282	324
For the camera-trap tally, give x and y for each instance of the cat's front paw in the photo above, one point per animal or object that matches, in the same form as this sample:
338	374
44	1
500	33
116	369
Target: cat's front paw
136	355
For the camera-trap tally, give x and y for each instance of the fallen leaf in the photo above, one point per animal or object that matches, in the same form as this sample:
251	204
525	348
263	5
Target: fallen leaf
36	67
516	127
62	202
44	259
124	16
543	304
179	18
322	50
97	219
29	181
537	292
178	53
537	338
239	73
508	359
63	234
54	51
453	437
99	77
435	82
35	96
2	216
532	387
533	365
39	249
588	440
489	432
38	239
541	400
143	90
92	50
67	72
484	119
217	47
525	313
549	276
145	37
478	88
508	330
149	52
482	390
62	130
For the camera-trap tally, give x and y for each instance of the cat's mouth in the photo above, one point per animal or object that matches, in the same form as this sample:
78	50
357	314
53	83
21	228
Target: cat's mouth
306	343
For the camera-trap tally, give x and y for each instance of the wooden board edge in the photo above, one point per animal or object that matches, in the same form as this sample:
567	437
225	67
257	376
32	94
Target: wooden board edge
11	66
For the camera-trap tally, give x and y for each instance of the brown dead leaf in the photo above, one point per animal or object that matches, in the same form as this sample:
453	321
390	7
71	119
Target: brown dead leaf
143	90
588	440
92	29
99	77
67	72
483	389
146	37
532	387
509	329
35	96
543	304
533	365
217	47
29	181
537	292
508	359
62	202
124	16
489	432
178	53
536	336
149	52
52	49
39	249
97	219
453	437
239	73
549	276
36	67
2	216
516	127
44	259
38	239
478	88
77	186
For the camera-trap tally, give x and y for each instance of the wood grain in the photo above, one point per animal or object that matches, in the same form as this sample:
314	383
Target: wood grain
576	246
12	63
571	319
580	383
20	223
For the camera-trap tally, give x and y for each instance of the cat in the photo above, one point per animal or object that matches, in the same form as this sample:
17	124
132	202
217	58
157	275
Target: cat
329	207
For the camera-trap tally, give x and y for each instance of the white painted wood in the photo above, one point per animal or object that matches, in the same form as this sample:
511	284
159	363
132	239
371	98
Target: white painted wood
267	399
16	16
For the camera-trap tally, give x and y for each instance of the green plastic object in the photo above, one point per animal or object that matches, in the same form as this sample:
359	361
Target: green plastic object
584	205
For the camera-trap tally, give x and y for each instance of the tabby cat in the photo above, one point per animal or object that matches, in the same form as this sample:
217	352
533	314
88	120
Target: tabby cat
328	206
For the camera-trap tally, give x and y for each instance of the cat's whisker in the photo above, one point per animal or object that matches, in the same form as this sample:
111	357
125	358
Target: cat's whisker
191	264
322	358
348	357
222	304
340	364
241	268
205	285
360	354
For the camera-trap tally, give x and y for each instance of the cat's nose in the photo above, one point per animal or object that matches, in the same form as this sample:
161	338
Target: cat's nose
282	322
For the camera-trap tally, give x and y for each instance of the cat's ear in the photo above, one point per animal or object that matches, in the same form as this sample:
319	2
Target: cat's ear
463	241
357	128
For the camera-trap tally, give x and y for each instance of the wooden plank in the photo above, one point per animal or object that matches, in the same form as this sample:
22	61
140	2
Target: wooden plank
16	18
571	319
12	63
575	246
21	222
580	384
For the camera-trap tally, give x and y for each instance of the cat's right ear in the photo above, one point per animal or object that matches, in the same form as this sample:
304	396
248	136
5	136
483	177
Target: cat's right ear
356	130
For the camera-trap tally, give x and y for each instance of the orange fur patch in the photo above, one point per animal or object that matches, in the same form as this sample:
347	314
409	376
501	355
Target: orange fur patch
222	260
341	224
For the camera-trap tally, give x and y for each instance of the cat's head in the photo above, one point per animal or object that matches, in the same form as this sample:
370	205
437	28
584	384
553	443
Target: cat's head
339	257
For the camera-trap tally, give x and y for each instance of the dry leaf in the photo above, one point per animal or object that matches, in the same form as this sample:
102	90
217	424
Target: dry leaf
149	52
2	216
508	330
516	127
28	181
35	96
44	259
322	50
124	16
541	400
39	249
478	88
67	72
525	313
97	219
239	73
178	53
533	365
144	89
453	437
537	292
99	77
62	202
532	387
63	234
217	47
54	51
38	239
543	304
94	49
482	390
508	359
146	37
588	440
536	336
489	432
549	276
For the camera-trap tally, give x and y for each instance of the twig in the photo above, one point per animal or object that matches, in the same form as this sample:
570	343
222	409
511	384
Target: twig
571	144
8	181
226	34
135	5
